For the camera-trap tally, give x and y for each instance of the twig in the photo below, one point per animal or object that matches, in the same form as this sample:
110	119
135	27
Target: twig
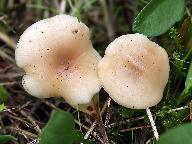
19	131
4	55
5	69
156	135
98	137
178	109
8	83
19	119
35	141
30	119
150	141
11	75
9	109
135	128
50	104
3	17
80	124
103	131
87	128
10	42
90	130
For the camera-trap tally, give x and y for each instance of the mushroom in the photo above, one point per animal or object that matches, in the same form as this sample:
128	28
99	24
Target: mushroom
134	71
60	61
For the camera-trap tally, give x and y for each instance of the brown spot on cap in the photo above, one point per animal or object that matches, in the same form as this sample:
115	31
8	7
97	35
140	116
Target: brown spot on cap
90	108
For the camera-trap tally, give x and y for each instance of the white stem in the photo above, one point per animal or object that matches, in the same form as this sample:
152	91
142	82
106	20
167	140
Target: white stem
156	135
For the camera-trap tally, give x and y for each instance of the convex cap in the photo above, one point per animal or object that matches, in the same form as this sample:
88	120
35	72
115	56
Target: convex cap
134	71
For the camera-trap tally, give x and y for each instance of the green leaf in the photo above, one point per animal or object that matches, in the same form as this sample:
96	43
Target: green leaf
6	138
178	135
59	130
2	106
158	16
3	95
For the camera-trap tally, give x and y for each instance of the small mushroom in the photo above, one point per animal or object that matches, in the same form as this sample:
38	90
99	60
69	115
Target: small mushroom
60	61
134	71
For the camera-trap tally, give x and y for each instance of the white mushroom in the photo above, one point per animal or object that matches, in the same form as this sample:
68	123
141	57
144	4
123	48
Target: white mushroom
59	60
134	71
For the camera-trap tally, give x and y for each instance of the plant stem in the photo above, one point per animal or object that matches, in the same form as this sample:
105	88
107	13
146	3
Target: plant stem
156	135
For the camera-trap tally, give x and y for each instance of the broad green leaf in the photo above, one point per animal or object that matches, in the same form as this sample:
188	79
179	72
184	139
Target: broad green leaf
178	135
6	138
3	95
59	130
2	106
158	16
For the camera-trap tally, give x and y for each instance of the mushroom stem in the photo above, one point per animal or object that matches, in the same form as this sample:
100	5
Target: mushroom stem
95	122
92	109
156	135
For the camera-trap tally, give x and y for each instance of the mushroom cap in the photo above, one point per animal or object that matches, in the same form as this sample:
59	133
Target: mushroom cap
134	71
59	60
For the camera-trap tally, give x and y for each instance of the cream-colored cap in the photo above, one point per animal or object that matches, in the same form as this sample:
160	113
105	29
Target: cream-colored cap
59	60
134	71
